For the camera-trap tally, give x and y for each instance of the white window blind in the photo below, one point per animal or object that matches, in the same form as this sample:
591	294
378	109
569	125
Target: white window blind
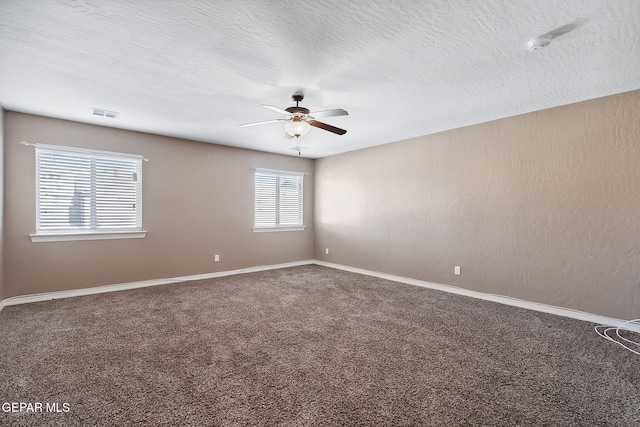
85	190
278	199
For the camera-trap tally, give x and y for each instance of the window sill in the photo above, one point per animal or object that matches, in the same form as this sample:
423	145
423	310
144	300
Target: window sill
91	235
278	228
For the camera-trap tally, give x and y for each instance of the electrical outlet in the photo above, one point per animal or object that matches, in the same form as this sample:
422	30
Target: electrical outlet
326	251
456	270
216	258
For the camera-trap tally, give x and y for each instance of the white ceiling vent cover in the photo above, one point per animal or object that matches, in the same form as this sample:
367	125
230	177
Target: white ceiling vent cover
105	113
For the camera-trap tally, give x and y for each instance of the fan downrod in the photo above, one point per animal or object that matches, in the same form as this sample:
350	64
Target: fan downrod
298	97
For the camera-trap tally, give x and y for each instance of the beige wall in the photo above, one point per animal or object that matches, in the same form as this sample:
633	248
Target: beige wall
197	201
543	206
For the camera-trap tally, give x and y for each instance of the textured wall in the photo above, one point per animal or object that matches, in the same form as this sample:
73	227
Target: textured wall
197	201
542	206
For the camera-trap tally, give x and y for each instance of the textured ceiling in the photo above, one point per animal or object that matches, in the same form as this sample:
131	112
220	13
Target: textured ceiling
197	69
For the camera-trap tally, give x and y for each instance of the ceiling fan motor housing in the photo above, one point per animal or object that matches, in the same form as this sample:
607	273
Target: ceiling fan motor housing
297	110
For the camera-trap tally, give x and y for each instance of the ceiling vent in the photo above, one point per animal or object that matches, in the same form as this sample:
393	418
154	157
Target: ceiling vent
105	113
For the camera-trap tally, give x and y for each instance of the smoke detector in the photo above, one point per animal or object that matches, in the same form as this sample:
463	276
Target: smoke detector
538	43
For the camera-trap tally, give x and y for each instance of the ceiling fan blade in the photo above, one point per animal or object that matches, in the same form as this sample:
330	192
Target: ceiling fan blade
329	113
276	109
262	123
327	127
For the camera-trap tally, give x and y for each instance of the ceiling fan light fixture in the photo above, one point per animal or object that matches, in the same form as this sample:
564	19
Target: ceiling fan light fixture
297	127
299	119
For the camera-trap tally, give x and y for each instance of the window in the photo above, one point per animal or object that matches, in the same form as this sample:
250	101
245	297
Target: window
278	200
87	194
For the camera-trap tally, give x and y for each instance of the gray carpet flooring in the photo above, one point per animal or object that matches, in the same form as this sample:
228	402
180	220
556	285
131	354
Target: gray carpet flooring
310	346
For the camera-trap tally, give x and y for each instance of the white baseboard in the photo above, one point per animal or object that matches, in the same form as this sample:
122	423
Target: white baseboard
24	299
545	308
536	306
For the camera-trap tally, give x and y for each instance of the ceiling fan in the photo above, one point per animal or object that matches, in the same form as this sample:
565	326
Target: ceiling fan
299	119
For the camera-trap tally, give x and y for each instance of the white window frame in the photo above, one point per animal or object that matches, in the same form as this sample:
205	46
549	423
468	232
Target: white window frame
92	232
277	227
